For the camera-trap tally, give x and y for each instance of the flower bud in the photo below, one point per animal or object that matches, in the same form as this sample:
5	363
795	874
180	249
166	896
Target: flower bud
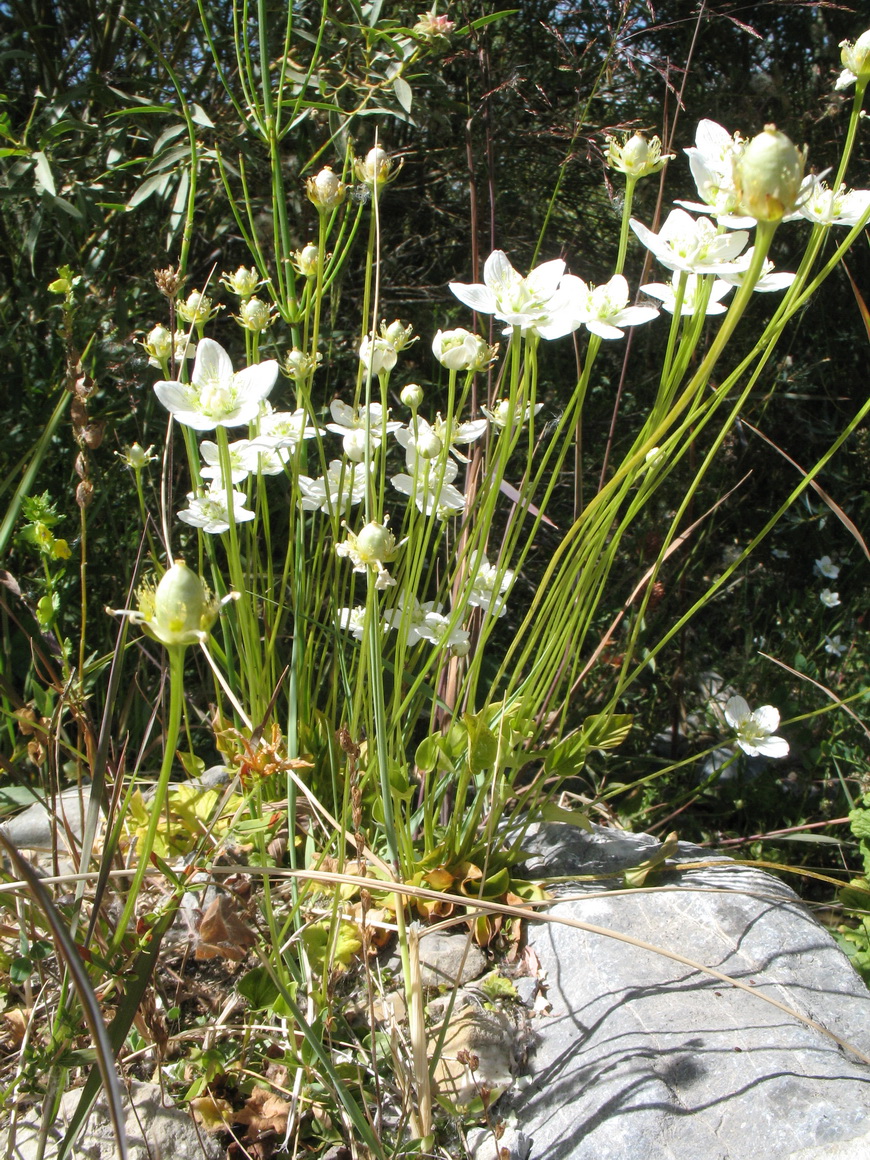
460	350
300	366
768	175
158	346
375	544
305	260
254	315
636	157
461	648
412	396
181	611
397	336
427	444
856	57
375	170
136	457
379	355
433	28
327	191
197	308
244	282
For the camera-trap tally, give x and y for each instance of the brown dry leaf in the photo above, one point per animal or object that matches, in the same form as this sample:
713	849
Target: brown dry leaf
15	1026
222	934
264	1112
215	1115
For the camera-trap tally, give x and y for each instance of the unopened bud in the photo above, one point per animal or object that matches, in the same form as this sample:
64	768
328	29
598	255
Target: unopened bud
327	191
412	396
768	175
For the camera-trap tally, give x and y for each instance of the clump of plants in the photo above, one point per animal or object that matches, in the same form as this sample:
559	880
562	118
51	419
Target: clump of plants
364	621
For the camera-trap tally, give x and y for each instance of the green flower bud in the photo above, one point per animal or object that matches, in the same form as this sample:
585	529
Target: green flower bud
180	611
768	175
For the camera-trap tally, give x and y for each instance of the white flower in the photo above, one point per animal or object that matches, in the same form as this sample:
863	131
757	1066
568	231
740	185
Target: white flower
827	568
755	729
603	310
833	207
299	366
711	161
501	416
197	309
352	620
408	618
684	243
488	587
215	396
855	59
326	190
377	355
375	169
397	335
254	315
436	629
666	292
422	440
243	460
285	428
350	423
460	350
518	301
768	281
432	488
343	486
211	510
828	598
834	645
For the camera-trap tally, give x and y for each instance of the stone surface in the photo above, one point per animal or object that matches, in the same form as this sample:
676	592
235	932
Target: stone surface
644	1058
152	1131
444	961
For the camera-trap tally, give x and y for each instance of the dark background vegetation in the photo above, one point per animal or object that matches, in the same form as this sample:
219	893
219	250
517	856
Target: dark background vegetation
499	118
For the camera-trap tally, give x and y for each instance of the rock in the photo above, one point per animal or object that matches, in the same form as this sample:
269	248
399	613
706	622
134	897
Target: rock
36	827
484	1037
512	1144
152	1130
645	1058
444	961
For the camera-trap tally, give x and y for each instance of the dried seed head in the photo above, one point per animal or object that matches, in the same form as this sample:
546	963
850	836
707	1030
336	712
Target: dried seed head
168	282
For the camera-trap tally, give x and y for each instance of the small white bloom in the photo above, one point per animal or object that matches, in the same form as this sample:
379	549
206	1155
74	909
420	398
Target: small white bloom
216	396
436	629
488	587
408	618
197	309
855	59
603	310
326	190
243	460
828	598
768	281
431	487
827	568
833	207
350	423
684	243
518	301
780	553
158	346
299	366
305	260
755	729
353	620
136	456
711	161
768	176
501	416
254	315
397	335
422	440
666	292
834	645
343	486
285	428
636	157
211	510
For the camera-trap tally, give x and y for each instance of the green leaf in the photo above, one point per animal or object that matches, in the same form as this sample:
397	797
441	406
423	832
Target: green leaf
193	766
482	742
606	730
637	875
859	823
258	987
550	812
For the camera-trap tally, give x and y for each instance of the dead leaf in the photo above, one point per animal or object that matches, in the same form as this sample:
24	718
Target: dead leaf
222	934
263	1113
215	1115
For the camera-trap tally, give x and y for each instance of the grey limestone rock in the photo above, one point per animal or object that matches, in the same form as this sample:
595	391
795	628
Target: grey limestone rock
152	1131
645	1058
